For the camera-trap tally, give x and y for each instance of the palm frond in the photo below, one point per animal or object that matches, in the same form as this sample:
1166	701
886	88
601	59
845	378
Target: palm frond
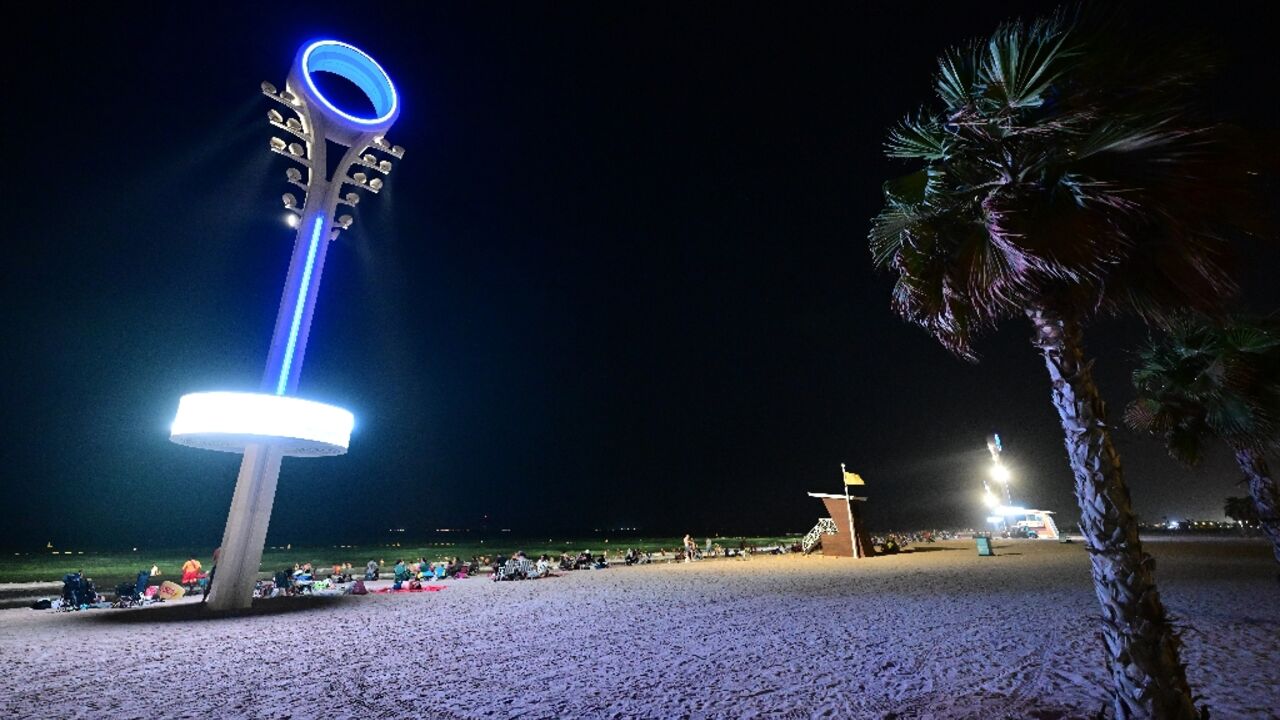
1023	61
1209	378
920	137
957	82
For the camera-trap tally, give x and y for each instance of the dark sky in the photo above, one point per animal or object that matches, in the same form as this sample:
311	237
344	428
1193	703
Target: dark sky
619	279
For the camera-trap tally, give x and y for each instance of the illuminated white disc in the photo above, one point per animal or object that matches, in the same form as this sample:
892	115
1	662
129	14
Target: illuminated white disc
228	421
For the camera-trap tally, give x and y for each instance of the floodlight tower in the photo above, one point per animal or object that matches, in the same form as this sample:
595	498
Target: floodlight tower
271	424
999	472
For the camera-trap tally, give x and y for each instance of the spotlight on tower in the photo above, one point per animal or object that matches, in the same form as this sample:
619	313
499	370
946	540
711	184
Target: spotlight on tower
344	221
274	116
1000	473
277	144
290	202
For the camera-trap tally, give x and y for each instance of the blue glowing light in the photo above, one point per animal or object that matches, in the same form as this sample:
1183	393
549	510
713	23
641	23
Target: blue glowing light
304	289
353	64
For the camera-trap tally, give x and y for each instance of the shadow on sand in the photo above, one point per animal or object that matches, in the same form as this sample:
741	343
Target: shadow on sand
924	549
197	612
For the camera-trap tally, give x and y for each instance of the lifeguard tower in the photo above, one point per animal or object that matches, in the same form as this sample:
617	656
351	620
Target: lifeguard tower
841	533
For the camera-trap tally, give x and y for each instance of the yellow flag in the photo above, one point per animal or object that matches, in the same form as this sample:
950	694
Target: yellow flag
852	478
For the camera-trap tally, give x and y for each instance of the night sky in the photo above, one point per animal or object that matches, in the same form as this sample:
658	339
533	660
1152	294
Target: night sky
619	280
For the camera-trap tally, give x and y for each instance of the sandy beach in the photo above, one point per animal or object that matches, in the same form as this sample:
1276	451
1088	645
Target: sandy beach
939	633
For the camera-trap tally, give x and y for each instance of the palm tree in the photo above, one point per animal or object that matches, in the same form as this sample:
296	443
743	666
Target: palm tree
1240	509
1216	380
1063	176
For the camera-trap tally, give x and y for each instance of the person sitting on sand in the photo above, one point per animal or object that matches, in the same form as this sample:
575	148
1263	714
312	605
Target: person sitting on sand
371	570
191	572
401	571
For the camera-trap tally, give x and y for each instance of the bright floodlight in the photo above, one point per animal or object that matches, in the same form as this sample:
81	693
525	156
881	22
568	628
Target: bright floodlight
990	500
229	421
1000	473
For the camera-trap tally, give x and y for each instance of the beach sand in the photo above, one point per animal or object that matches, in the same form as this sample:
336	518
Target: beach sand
939	633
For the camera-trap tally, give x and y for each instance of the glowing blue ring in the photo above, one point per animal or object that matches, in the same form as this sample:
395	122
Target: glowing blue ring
353	64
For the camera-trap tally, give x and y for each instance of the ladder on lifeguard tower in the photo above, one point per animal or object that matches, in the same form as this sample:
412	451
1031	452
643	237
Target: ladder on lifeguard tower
825	526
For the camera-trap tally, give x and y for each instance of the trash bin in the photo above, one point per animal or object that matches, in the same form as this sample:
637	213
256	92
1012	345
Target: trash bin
984	546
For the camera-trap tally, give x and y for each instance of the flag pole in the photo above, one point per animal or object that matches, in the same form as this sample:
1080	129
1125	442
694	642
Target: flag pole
848	506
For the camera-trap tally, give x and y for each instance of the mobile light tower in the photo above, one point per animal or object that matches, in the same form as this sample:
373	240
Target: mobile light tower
1000	475
999	472
271	424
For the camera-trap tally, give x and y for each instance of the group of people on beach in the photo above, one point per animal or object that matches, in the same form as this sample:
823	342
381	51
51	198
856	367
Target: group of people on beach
422	570
521	567
304	577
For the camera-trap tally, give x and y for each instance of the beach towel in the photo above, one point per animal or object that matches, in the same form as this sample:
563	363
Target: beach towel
424	588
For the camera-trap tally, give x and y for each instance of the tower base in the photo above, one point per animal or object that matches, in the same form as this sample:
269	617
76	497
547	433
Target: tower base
239	560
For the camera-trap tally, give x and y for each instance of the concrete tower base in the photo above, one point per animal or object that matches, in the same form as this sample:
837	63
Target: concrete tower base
241	555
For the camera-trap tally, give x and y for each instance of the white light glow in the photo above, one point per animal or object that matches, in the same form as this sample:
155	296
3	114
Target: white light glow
228	421
990	500
1007	510
1000	473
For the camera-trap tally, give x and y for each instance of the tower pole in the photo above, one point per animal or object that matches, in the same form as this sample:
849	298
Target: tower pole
313	126
848	506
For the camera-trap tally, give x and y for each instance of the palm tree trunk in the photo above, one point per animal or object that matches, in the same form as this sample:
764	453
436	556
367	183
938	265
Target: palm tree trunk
1142	648
1266	498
